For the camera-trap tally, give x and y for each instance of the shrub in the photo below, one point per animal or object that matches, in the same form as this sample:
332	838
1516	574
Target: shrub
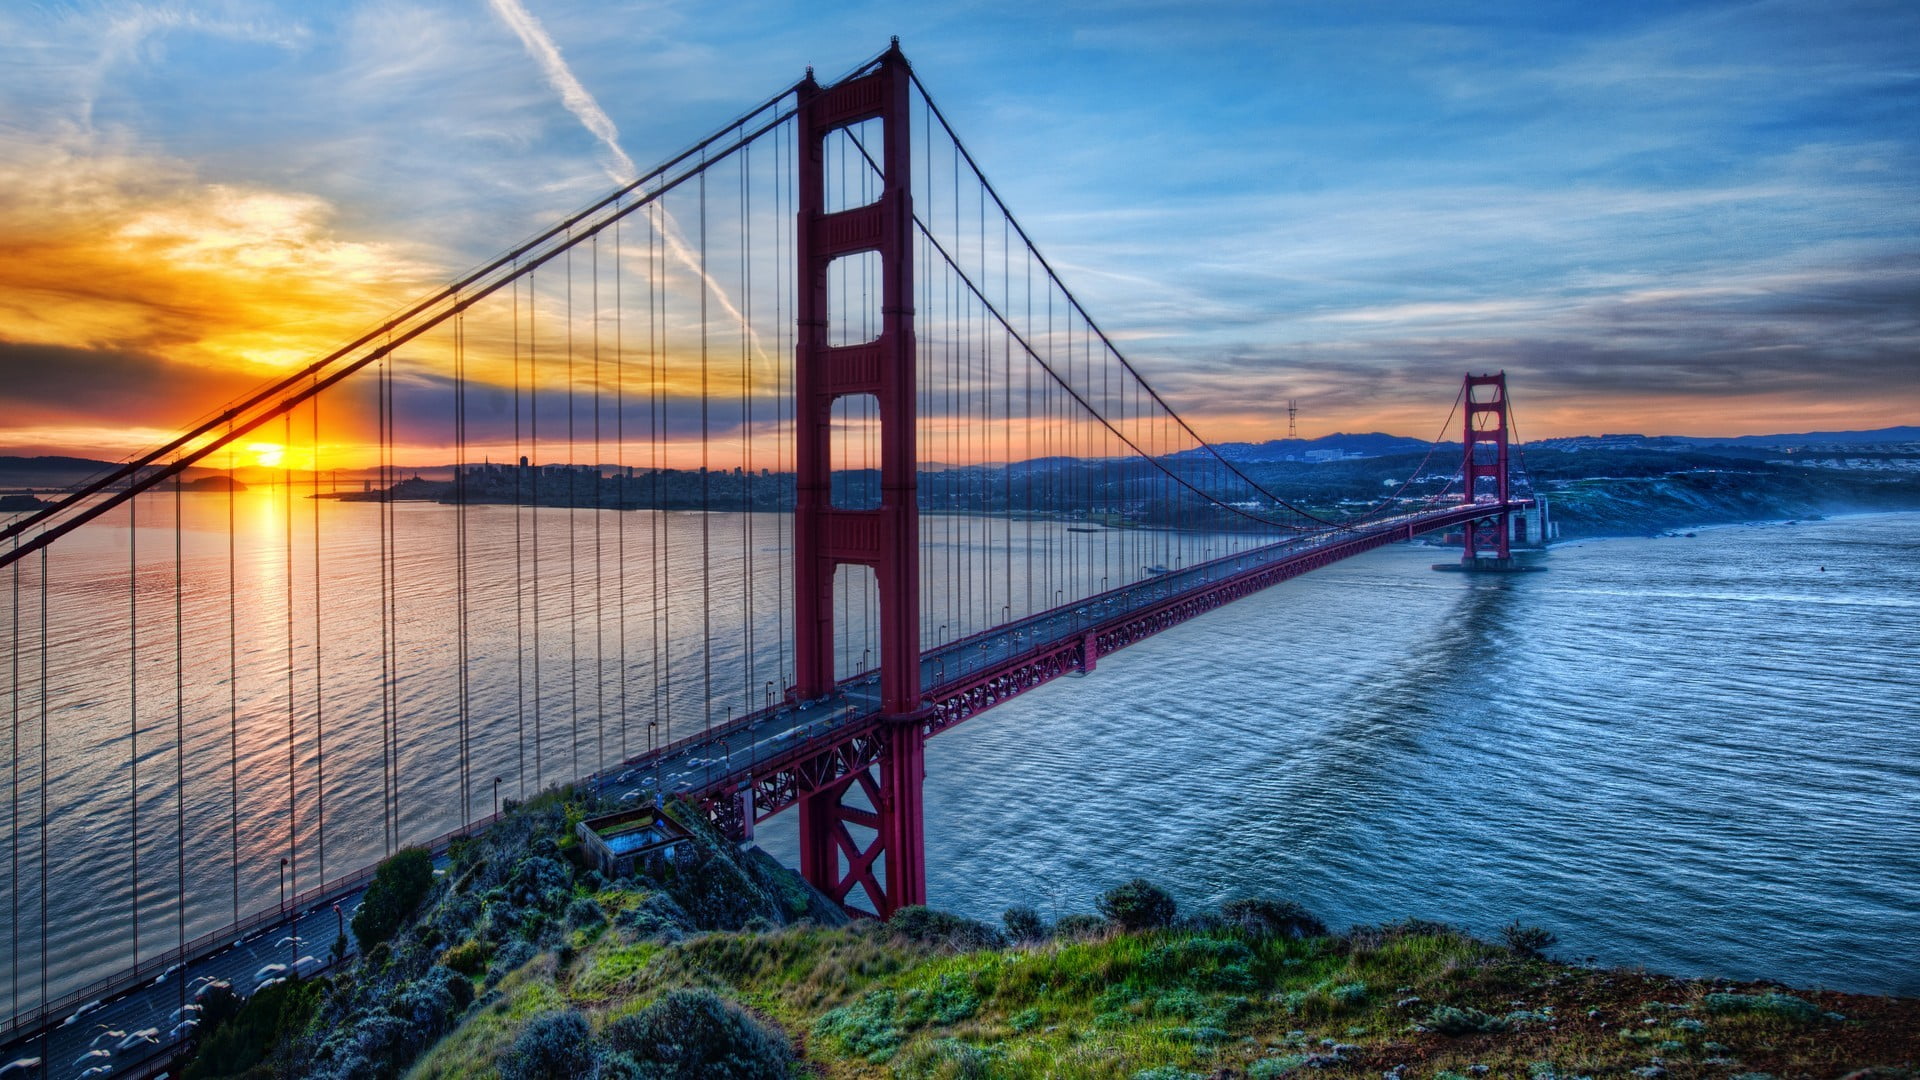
1784	1006
1448	1020
698	1033
929	927
951	1059
656	913
540	882
1137	905
269	1017
1263	918
876	1025
1528	940
1023	923
1269	1068
1079	927
584	912
510	957
1208	963
469	957
553	1046
399	884
1348	993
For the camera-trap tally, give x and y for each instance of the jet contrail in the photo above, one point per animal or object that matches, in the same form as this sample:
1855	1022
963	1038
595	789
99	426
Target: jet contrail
574	96
584	108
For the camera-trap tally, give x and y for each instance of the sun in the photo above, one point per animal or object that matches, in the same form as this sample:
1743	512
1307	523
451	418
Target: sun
267	454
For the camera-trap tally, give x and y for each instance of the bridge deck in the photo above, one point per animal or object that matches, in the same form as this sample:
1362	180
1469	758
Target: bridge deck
779	752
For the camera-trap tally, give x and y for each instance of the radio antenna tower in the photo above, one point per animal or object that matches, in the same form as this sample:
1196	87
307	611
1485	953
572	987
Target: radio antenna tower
1293	429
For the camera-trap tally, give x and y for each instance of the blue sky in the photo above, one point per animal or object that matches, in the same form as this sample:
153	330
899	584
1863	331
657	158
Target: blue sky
1695	218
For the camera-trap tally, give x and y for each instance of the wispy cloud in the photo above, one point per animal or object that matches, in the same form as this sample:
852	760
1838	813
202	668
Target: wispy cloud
574	96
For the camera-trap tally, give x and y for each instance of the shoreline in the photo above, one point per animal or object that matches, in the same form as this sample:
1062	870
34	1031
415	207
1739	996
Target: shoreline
1678	531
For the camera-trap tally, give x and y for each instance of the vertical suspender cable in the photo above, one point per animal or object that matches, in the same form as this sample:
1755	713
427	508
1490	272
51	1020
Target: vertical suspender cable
386	602
461	554
572	505
533	439
599	621
706	482
319	678
620	482
46	765
179	738
663	594
233	685
13	787
519	562
746	433
286	495
133	716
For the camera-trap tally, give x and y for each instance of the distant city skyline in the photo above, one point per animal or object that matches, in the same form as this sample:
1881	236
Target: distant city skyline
1697	219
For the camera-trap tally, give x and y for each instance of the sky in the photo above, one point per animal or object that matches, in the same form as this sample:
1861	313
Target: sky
1663	218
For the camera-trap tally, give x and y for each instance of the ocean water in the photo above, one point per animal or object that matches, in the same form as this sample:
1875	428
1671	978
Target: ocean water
1699	755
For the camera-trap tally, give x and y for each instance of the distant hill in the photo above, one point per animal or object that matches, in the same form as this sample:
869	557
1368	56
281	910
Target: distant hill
57	473
1890	436
1336	447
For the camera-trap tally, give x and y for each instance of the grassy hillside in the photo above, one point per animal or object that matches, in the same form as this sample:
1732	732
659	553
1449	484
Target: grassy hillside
519	964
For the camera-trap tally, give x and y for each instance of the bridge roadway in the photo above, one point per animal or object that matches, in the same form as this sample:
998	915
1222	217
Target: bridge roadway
782	751
760	753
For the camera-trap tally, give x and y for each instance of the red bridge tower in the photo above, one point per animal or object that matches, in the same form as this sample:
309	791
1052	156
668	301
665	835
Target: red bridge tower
889	865
1485	458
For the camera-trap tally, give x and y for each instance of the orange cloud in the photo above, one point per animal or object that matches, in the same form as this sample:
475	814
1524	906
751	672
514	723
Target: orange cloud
129	270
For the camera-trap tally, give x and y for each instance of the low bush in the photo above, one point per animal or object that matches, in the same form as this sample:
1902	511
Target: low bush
584	912
1023	924
929	927
1137	905
399	884
656	913
1784	1006
1348	994
553	1046
540	883
1263	918
877	1024
510	957
695	1034
1528	940
469	957
1448	1020
951	1059
1079	927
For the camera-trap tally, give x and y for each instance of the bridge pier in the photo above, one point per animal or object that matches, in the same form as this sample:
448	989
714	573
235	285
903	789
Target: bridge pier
886	857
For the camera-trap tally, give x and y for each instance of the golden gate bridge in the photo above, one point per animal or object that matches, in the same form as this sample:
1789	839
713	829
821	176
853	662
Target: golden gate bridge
765	468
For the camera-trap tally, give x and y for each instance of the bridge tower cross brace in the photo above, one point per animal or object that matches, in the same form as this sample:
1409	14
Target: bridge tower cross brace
890	867
1486	426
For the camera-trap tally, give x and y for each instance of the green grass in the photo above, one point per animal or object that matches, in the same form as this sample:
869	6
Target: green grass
865	1003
